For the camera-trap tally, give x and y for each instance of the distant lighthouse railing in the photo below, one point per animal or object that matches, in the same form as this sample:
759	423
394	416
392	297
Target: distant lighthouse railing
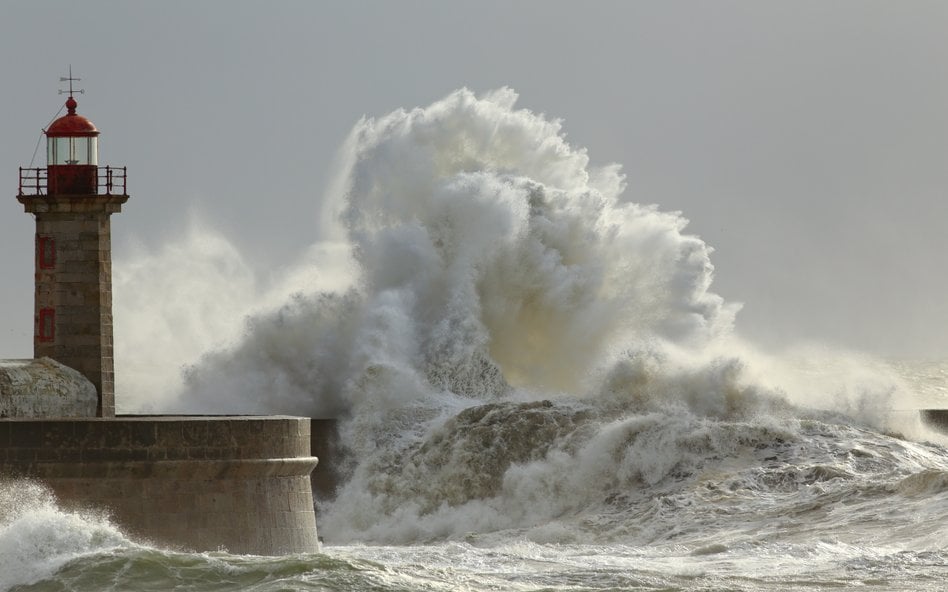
35	181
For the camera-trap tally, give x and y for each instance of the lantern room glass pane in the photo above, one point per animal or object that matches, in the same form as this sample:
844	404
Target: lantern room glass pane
72	151
92	151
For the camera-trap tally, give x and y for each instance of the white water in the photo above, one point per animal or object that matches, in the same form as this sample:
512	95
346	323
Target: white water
37	537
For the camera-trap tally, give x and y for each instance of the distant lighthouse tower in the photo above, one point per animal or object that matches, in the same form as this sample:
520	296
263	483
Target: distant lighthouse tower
72	199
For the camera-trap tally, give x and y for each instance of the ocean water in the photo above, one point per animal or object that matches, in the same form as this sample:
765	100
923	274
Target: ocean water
539	390
650	501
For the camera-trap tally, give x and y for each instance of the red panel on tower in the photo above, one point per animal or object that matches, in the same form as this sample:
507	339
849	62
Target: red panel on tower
47	252
47	324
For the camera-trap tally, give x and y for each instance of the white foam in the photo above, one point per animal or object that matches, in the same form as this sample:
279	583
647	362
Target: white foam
484	260
37	538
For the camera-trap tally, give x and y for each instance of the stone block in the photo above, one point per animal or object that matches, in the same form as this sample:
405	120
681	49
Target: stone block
43	388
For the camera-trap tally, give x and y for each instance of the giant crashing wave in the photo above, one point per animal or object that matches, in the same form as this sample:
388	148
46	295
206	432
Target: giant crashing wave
522	349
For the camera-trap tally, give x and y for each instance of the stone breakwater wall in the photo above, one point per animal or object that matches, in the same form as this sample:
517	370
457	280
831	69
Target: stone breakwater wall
189	482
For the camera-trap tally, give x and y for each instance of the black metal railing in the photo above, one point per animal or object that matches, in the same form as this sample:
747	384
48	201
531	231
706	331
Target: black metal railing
110	181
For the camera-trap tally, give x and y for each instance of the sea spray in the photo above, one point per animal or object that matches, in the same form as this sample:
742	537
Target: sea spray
522	351
194	295
37	537
490	253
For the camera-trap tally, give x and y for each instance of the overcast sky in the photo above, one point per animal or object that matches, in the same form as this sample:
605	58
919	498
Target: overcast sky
806	141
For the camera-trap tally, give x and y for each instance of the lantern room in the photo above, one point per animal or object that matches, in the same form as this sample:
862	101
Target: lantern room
72	154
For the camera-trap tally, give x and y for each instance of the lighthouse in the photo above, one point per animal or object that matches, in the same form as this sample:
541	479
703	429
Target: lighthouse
240	483
72	200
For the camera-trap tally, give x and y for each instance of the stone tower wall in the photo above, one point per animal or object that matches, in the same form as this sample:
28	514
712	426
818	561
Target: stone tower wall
73	298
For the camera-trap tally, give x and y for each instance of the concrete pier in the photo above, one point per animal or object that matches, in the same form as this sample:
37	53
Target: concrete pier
195	483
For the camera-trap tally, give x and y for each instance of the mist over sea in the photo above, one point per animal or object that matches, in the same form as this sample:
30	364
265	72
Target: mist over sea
538	390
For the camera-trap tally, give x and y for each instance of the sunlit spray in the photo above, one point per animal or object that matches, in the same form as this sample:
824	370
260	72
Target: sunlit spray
510	342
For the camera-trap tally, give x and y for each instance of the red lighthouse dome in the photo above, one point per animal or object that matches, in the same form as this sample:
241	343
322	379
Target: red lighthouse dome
72	153
71	124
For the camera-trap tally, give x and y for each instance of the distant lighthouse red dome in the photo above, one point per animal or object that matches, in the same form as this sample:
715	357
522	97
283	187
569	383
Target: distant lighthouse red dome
71	124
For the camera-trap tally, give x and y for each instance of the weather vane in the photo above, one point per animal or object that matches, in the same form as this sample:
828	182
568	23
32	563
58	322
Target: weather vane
70	79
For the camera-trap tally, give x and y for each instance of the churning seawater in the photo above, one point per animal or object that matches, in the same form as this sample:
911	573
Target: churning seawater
538	391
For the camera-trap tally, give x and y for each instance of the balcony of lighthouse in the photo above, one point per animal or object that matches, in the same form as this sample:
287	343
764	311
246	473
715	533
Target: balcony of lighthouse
72	180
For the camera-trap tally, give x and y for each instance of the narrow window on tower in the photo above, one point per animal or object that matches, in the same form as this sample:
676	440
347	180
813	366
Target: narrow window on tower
47	324
47	252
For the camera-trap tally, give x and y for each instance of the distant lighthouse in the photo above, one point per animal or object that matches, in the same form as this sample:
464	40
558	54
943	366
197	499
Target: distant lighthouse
72	199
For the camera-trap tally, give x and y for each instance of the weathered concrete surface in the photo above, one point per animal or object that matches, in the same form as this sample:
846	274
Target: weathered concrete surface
195	483
44	388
